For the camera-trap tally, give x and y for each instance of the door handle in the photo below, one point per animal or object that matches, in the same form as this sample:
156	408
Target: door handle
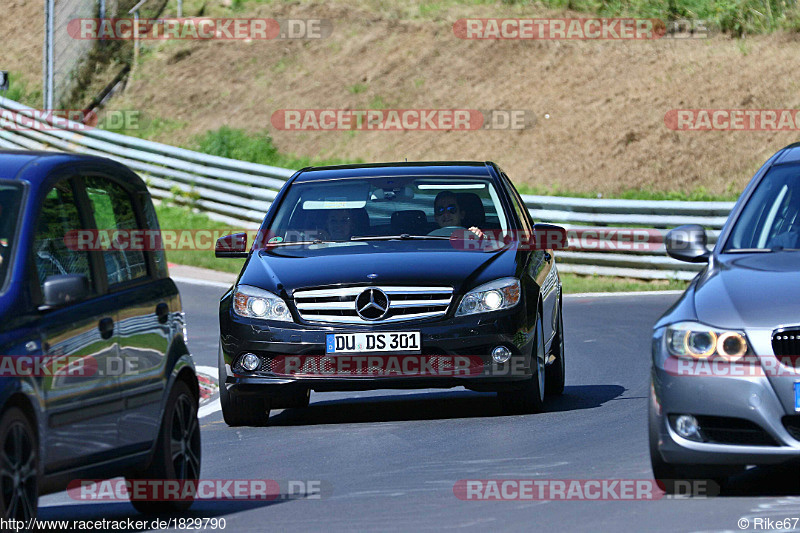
106	327
162	312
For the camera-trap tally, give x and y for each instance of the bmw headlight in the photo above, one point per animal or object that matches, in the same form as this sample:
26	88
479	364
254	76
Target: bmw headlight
493	296
697	341
252	302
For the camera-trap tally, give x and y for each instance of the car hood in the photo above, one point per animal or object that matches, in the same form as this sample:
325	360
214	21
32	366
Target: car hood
379	264
750	290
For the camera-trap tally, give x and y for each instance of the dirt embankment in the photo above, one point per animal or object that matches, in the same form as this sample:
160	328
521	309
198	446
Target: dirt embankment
605	101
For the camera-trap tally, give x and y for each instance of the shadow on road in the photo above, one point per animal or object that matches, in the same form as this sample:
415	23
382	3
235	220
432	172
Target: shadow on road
777	480
433	406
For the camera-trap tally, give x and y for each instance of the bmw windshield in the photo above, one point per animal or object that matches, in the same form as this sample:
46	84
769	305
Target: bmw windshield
771	219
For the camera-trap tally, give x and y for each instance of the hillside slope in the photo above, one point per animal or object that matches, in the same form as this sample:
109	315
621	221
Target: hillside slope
605	101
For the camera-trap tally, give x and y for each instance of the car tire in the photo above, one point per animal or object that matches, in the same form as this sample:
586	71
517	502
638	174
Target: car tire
529	398
555	371
240	410
19	467
179	428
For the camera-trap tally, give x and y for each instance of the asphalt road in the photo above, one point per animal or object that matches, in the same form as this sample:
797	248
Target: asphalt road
388	460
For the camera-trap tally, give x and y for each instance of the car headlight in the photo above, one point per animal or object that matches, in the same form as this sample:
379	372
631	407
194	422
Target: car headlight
493	296
698	341
252	302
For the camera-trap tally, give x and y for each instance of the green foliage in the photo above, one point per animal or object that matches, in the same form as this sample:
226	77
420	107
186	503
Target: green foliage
173	218
358	88
737	17
573	283
19	91
697	195
255	148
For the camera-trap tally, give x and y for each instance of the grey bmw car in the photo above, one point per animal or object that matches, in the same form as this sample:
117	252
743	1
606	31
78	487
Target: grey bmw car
725	376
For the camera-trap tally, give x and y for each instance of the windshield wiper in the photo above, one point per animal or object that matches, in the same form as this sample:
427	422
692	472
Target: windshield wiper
754	250
293	243
403	237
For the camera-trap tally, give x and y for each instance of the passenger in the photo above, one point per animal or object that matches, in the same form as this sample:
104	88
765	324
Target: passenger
448	213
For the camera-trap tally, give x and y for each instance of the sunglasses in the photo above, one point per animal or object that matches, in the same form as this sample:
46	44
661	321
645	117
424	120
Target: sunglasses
452	209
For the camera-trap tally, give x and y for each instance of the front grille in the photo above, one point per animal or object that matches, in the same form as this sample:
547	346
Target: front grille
338	306
728	430
786	341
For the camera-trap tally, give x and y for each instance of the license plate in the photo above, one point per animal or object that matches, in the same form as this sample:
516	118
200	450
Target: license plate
407	341
797	395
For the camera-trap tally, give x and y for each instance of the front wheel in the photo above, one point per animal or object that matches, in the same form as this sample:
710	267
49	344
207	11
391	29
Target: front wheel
529	398
177	455
238	410
19	494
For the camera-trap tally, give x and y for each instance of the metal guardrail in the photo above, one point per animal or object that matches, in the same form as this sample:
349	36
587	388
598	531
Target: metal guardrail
240	193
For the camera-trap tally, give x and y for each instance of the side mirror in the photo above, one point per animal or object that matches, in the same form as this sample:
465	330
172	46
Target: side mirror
231	246
688	243
550	237
64	289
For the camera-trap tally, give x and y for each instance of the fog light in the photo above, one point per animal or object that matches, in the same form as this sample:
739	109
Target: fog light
250	362
687	427
501	354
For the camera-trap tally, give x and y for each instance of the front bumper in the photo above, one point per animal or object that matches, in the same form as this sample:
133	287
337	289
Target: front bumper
750	400
472	336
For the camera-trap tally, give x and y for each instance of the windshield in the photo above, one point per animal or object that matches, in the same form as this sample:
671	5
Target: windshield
355	209
10	196
771	218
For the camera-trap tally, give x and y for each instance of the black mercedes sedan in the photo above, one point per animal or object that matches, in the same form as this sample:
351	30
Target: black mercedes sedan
397	275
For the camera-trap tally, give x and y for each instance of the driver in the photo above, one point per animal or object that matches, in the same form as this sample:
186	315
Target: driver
448	213
339	225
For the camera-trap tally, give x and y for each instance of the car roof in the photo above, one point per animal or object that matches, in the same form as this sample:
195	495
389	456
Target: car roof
421	168
791	154
36	166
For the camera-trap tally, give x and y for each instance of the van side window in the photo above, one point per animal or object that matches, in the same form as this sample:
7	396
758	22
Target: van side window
51	255
113	209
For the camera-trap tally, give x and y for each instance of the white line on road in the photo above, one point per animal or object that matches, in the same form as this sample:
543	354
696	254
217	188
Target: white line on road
213	407
208	283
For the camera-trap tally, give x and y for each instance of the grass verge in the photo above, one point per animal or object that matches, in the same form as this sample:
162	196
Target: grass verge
172	217
573	283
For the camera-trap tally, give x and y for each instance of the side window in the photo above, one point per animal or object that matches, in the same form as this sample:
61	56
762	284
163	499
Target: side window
59	216
151	219
113	209
519	205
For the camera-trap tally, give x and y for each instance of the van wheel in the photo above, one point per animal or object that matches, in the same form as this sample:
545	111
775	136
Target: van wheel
178	451
19	465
